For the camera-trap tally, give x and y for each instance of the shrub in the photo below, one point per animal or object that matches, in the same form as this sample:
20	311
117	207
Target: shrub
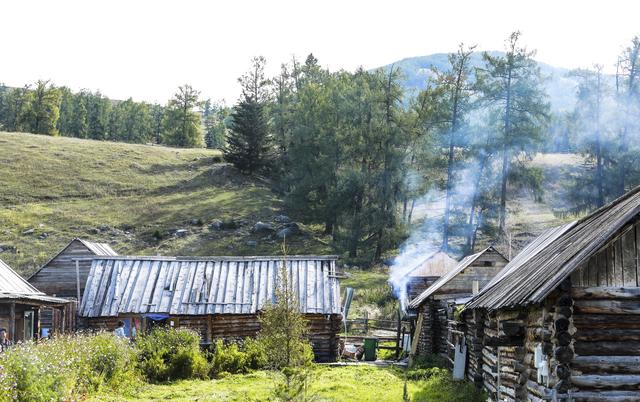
440	386
171	354
67	367
234	358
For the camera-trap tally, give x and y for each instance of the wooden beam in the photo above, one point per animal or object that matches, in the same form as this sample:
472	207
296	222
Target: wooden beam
12	322
620	381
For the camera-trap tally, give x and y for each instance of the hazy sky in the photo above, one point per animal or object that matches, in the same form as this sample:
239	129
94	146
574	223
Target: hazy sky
145	49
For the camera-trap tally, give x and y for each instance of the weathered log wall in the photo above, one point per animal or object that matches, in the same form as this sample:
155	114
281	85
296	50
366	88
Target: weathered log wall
607	343
323	329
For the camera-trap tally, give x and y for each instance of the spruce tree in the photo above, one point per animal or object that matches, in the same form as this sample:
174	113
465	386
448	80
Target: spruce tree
249	141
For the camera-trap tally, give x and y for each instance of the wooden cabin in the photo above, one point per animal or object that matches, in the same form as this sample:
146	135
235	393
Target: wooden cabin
20	305
66	273
436	305
427	272
219	297
562	320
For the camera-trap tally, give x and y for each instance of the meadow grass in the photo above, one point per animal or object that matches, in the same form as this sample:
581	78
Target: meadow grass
345	383
67	187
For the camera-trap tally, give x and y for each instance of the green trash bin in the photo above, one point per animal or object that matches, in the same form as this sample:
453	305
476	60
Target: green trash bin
370	345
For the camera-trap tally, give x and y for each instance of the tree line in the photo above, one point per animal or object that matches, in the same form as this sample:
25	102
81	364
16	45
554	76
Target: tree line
352	152
185	121
353	155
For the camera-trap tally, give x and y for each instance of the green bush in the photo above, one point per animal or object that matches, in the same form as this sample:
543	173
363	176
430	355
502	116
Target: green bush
233	358
171	354
440	386
66	368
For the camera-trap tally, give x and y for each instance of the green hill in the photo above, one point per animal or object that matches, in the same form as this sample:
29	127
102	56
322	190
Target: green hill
141	199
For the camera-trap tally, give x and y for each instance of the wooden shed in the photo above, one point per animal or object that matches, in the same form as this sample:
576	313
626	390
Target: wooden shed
65	274
220	297
562	320
436	305
428	271
20	305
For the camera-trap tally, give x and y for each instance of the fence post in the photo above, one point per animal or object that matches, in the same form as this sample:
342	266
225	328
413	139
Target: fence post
398	337
366	322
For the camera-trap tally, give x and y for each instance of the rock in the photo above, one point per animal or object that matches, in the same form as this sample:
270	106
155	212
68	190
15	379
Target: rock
229	224
103	228
196	222
261	227
181	233
282	219
287	232
292	225
94	230
252	243
43	236
5	248
28	232
215	224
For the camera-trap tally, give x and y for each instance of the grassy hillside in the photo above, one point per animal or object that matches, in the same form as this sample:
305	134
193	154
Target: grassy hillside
132	196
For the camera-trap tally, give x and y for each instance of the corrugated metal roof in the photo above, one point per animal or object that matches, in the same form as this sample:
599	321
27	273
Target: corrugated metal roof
555	254
464	263
212	285
14	287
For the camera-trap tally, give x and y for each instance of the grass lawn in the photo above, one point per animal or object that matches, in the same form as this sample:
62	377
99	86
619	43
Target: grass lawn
68	187
347	383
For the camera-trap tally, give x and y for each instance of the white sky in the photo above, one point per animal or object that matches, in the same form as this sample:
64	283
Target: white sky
145	49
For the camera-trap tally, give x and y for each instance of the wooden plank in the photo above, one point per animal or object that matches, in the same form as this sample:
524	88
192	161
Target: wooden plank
214	287
629	258
619	278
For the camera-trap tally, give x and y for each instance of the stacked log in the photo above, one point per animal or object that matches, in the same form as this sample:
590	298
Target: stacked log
426	335
474	334
607	343
562	339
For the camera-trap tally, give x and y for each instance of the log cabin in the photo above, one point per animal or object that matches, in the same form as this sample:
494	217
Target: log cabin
65	274
219	297
436	305
562	320
427	272
20	305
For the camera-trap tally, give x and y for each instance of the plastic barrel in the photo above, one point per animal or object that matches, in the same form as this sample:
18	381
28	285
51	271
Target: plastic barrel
370	345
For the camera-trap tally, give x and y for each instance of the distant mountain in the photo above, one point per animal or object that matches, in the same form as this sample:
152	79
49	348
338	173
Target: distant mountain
559	86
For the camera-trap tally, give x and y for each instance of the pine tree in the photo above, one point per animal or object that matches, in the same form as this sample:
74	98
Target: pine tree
511	86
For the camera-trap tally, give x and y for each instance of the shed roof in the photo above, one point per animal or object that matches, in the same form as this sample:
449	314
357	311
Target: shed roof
555	254
464	263
211	285
11	282
98	249
436	264
14	287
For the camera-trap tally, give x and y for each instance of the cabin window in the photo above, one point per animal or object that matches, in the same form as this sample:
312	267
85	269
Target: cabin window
488	263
